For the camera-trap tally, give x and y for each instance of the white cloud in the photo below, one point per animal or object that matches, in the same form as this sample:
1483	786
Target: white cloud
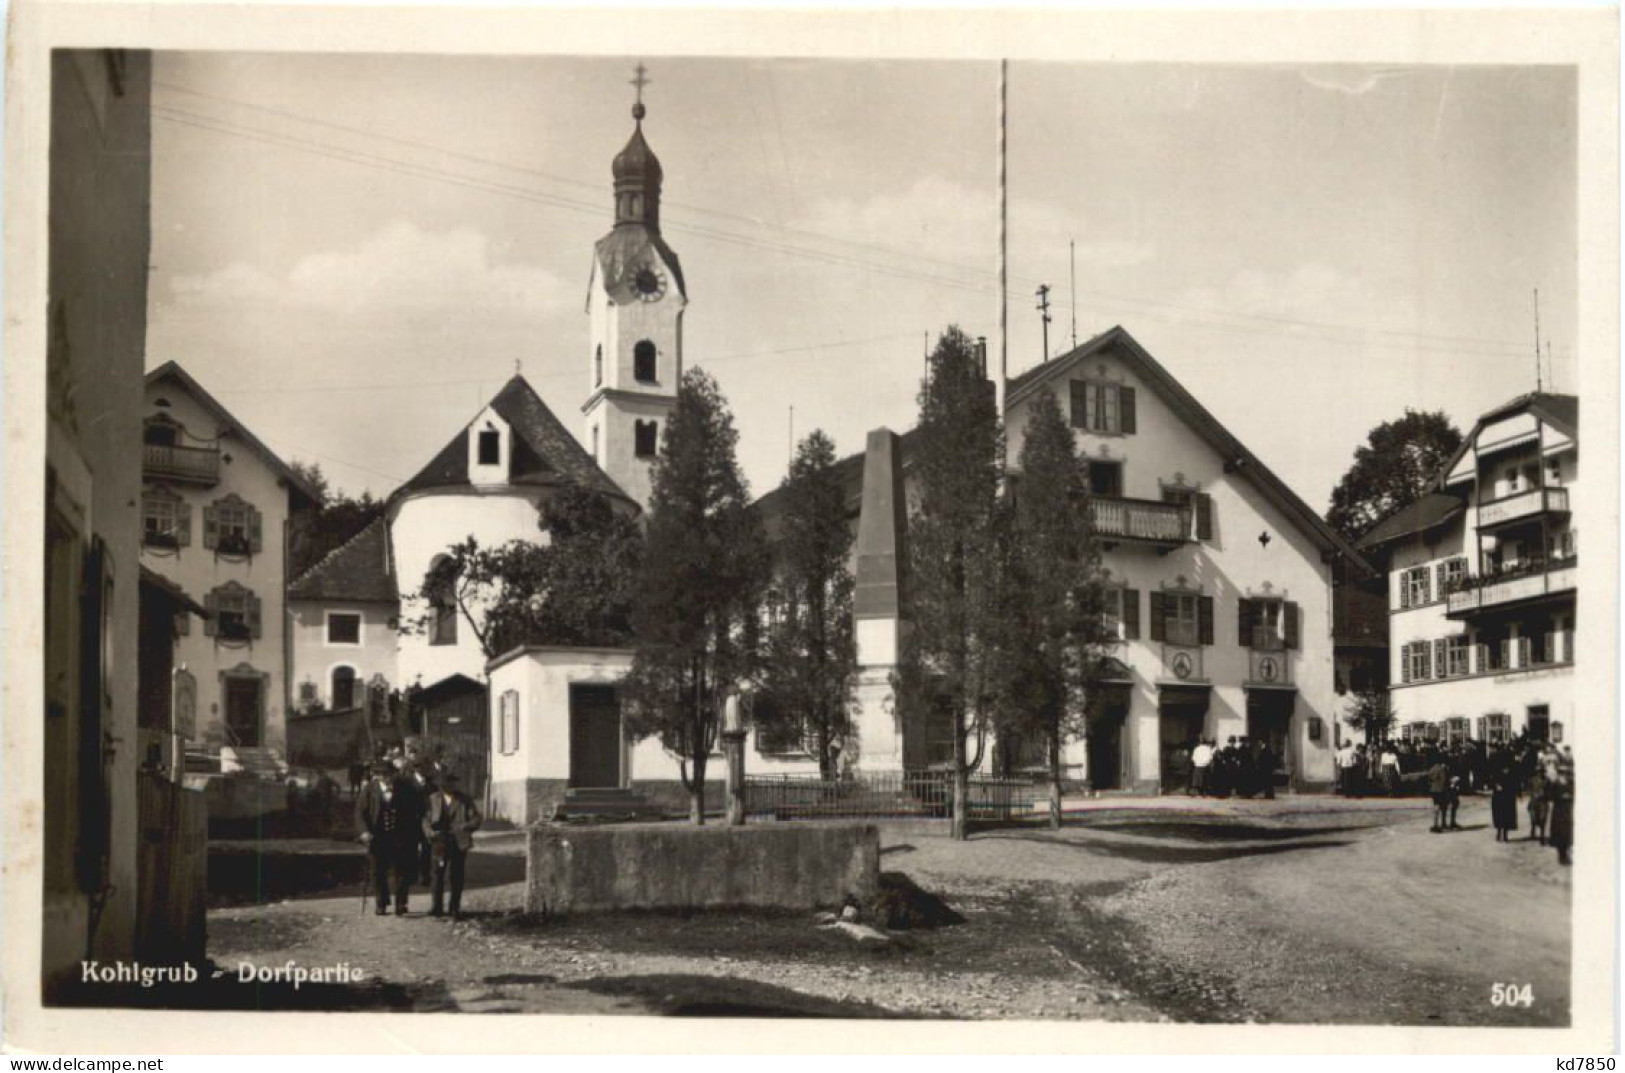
401	267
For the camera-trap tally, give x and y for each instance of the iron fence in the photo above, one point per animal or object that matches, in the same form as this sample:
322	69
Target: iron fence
886	795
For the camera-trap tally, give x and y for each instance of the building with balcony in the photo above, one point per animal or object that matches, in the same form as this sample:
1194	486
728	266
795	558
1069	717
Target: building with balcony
215	505
1225	585
1481	578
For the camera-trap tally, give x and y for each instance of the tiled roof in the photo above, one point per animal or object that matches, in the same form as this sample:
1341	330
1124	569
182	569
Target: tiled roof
543	451
1427	512
357	570
171	370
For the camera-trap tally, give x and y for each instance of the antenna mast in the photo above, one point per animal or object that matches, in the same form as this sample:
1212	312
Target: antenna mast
1537	339
1072	280
1004	266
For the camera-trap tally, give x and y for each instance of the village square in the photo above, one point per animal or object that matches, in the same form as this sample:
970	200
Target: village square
565	669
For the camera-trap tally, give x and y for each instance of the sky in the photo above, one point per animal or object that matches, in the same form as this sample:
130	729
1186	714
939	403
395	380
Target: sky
354	253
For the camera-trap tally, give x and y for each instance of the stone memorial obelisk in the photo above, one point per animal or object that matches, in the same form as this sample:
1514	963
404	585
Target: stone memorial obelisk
879	607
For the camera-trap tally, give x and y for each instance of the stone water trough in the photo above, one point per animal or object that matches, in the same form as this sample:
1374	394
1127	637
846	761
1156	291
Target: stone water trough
679	866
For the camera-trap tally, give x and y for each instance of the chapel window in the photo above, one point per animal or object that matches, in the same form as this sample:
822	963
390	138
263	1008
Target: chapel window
643	362
490	447
645	438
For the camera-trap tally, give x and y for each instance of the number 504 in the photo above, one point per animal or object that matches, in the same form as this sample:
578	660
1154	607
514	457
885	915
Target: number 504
1512	995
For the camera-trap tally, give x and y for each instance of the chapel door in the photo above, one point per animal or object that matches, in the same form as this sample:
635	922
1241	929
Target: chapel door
243	710
595	737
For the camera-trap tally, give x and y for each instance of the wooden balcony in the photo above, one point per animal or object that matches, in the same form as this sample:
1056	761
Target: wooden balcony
1537	581
1522	506
1147	521
188	465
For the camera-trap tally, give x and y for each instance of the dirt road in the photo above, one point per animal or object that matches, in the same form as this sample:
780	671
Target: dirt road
1309	910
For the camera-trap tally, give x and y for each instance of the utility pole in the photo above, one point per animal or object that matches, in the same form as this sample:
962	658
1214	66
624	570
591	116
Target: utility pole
1551	370
1043	309
999	384
791	453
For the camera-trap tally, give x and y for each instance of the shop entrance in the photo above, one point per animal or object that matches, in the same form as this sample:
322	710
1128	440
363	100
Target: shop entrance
1182	716
1269	720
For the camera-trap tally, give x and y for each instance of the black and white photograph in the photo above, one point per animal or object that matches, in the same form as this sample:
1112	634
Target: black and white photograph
772	535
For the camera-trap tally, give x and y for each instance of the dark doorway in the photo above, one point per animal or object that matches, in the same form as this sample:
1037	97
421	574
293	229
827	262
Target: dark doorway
243	710
1269	719
1105	740
1181	723
595	737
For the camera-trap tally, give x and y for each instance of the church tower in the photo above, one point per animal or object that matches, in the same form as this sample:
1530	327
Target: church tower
635	302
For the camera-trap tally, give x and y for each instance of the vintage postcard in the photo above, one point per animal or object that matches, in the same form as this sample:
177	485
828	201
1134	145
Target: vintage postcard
925	520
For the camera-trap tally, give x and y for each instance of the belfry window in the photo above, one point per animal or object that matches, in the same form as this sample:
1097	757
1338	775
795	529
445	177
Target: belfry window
643	362
645	438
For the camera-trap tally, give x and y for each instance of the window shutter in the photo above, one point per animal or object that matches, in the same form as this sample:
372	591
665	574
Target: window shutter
1427	585
1244	621
1291	623
1442	576
211	527
1127	409
1204	516
1405	662
1204	619
1440	669
1131	614
1482	652
183	523
1080	405
211	604
251	611
1157	614
1478	728
1424	653
183	623
256	543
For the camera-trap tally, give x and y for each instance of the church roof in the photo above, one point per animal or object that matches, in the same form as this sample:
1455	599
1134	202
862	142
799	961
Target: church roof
1237	457
359	570
543	451
637	162
171	370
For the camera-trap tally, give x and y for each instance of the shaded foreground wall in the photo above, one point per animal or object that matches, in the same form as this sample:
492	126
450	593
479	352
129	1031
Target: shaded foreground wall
672	866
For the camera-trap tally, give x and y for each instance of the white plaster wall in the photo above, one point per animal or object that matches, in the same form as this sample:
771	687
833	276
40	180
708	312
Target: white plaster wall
314	658
1229	567
426	525
1511	694
615	416
197	570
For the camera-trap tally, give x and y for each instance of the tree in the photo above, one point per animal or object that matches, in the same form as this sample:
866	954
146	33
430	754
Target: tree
1371	714
337	517
948	658
572	586
1052	623
1391	470
704	570
810	656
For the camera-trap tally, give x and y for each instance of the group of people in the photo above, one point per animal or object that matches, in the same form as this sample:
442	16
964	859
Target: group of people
1244	767
417	825
1545	774
1541	771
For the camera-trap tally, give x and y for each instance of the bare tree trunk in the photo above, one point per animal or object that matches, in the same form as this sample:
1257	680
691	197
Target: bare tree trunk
696	793
959	829
1055	782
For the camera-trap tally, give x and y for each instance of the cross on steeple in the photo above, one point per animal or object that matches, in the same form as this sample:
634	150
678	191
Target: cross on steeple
640	80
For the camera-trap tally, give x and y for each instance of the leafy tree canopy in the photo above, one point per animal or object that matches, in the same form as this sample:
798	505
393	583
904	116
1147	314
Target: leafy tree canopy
1391	470
337	517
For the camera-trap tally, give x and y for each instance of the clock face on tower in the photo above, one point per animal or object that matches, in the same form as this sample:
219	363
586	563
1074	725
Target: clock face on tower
650	283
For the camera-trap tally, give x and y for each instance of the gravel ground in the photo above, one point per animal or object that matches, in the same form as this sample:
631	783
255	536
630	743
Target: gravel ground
1312	910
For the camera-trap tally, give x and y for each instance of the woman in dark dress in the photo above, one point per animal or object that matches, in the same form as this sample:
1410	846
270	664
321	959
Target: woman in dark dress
1504	802
1561	792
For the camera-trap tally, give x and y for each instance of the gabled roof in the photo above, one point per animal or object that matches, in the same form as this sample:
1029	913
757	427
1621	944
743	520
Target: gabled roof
358	571
171	370
160	586
1560	411
543	451
1237	457
1432	509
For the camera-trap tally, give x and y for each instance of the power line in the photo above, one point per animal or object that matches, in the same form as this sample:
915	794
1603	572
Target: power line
1231	320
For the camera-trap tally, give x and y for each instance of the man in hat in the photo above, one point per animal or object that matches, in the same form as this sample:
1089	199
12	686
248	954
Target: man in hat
389	815
449	824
